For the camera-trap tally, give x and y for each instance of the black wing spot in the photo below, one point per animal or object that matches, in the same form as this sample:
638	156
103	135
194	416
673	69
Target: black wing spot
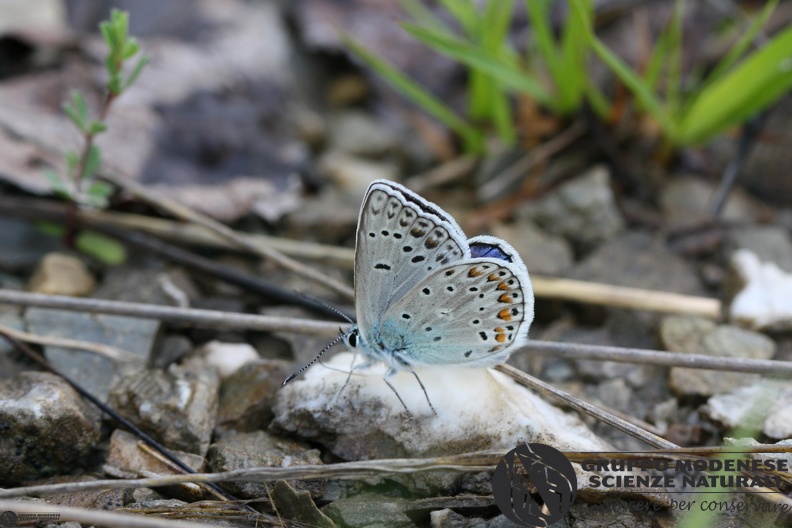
481	295
467	354
449	273
382	266
418	258
515	295
450	288
473	289
407	249
397	235
437	338
426	291
406	316
428	328
385	232
481	309
483	336
372	235
502	273
515	311
476	321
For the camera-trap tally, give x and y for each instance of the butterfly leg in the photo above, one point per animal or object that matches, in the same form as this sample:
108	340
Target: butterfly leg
352	367
387	375
424	391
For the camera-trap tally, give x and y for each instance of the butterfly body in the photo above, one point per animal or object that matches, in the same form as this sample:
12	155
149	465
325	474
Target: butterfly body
426	296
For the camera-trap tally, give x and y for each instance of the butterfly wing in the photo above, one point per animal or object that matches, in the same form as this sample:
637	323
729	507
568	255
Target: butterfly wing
473	312
401	238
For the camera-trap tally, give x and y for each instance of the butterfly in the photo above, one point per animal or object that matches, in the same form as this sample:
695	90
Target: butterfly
426	296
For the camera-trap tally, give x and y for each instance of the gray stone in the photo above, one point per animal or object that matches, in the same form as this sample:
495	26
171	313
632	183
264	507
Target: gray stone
23	245
763	406
640	260
44	427
358	133
582	210
170	349
330	217
261	449
132	283
60	274
178	407
298	506
247	396
366	510
353	174
126	455
92	371
9	316
769	243
611	512
448	518
685	202
542	253
700	336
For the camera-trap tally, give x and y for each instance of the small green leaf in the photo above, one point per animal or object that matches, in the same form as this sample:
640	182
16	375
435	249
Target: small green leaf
101	247
96	127
48	228
136	72
130	49
59	187
99	189
77	110
109	35
92	162
72	160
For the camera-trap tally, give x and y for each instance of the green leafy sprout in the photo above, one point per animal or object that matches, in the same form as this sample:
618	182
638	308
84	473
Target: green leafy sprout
553	71
80	185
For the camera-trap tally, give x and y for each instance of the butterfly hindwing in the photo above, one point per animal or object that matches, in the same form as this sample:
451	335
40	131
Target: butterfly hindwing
474	312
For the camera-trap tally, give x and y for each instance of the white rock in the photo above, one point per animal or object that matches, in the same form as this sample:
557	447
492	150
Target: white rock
765	302
227	357
766	404
477	409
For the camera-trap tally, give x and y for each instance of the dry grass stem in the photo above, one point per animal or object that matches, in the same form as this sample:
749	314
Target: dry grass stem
96	517
116	354
623	297
217	319
263	250
585	407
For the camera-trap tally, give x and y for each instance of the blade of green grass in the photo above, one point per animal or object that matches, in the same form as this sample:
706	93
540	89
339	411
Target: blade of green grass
675	58
410	89
506	71
572	79
626	75
758	81
742	44
420	14
465	14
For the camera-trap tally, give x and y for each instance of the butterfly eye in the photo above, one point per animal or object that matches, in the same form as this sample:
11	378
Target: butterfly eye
353	340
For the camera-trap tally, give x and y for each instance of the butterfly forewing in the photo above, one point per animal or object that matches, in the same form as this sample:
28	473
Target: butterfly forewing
401	239
473	312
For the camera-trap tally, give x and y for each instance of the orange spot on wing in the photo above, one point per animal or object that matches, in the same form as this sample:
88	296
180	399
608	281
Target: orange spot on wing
492	278
500	338
506	298
503	286
505	314
474	272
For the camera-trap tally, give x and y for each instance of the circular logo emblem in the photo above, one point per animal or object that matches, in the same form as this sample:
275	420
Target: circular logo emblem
539	466
8	519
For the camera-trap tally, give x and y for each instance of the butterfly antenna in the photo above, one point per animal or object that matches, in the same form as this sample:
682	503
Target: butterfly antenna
328	307
314	360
